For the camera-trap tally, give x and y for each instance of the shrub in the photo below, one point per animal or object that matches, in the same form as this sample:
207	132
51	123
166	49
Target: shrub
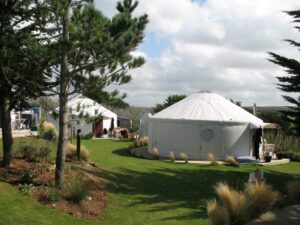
71	152
234	201
171	156
294	190
43	153
155	153
87	136
212	159
184	157
27	151
230	160
217	213
296	157
76	188
261	197
49	132
27	177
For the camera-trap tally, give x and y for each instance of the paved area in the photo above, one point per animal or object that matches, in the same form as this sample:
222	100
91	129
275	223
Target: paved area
287	216
21	133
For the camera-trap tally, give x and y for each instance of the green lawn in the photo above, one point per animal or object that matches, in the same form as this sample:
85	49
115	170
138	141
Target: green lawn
143	191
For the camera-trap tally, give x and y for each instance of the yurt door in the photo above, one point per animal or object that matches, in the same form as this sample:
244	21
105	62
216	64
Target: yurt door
210	140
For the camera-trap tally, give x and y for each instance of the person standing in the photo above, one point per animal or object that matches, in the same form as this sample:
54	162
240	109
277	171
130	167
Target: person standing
256	141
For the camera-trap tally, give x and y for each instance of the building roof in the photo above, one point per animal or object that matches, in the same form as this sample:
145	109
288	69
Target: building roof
208	106
88	106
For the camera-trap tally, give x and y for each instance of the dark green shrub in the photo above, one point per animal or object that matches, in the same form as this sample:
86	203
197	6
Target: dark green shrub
43	153
27	151
27	178
76	188
296	157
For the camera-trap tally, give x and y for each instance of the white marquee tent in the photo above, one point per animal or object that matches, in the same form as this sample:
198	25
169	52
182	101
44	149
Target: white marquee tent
203	123
86	106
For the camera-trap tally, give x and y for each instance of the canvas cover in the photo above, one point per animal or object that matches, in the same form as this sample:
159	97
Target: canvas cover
208	106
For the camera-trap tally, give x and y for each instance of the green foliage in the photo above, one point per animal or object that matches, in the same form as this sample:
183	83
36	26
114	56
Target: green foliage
77	188
87	136
27	177
31	151
284	143
27	150
43	153
172	99
290	83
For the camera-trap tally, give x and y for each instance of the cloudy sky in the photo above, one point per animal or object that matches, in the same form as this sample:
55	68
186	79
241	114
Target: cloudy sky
220	45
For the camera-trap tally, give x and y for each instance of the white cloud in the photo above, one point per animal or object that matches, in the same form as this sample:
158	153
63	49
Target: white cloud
219	45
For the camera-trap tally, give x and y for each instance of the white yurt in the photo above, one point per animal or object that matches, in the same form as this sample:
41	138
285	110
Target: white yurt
203	123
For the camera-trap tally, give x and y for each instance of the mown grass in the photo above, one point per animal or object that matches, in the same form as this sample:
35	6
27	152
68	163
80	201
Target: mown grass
144	191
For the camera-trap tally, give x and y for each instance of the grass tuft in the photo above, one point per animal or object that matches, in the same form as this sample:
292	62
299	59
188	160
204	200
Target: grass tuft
294	190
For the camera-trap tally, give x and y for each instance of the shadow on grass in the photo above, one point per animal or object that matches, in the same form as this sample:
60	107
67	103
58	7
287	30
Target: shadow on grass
168	189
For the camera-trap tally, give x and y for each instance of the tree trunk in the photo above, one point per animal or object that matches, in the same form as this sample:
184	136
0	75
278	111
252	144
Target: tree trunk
7	139
63	98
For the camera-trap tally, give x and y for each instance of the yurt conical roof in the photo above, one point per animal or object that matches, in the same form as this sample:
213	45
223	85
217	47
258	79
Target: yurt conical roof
208	106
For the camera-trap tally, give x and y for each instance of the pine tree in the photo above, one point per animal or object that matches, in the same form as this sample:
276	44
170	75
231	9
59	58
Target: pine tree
91	46
291	82
23	60
170	100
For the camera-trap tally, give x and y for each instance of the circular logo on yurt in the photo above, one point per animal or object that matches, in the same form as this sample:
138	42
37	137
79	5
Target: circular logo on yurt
207	134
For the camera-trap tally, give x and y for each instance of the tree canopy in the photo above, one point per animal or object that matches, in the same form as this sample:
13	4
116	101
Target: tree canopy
170	100
92	52
23	60
290	82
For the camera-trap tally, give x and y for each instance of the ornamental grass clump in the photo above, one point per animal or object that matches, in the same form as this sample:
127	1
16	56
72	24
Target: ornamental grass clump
218	214
212	159
261	197
184	157
72	155
234	201
172	156
49	132
230	160
77	188
294	190
155	153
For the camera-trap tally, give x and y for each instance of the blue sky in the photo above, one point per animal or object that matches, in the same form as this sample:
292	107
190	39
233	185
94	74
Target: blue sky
219	45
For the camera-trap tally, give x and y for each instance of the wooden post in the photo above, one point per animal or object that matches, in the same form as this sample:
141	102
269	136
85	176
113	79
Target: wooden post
78	144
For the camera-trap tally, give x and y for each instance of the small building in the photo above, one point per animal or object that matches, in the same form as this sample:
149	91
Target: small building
124	122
